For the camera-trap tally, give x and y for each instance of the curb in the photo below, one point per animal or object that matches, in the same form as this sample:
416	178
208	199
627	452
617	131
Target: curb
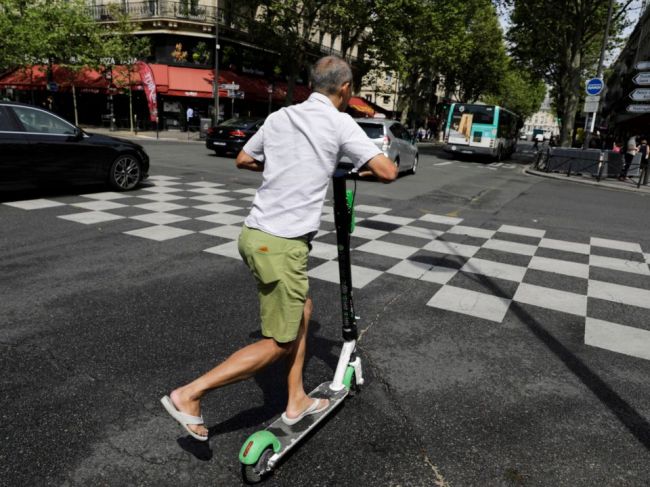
603	184
133	136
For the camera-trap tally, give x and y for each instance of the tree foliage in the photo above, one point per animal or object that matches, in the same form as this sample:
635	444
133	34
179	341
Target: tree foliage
559	41
288	27
121	46
431	43
54	31
518	91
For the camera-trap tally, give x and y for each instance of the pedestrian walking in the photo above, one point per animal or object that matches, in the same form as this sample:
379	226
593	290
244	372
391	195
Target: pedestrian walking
189	114
631	150
645	154
297	150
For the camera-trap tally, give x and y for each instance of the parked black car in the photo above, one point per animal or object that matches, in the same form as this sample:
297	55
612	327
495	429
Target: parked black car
37	146
230	136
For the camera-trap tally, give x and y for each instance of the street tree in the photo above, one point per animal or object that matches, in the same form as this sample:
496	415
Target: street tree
288	26
54	34
518	91
480	65
559	41
431	43
121	46
10	20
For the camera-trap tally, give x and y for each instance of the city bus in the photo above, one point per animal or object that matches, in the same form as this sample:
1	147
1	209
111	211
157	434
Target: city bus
481	129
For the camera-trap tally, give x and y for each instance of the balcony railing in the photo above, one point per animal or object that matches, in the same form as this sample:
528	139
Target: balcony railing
189	10
164	9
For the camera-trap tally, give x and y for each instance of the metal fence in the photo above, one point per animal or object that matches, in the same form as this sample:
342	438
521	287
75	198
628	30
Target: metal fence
572	161
590	162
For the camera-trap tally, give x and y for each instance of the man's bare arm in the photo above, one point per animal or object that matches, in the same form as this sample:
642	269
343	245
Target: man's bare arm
381	167
244	161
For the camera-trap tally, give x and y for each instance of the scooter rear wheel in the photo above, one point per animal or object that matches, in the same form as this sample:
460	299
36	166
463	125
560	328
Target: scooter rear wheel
253	474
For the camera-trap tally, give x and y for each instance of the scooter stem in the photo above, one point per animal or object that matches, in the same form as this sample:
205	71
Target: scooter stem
344	361
342	220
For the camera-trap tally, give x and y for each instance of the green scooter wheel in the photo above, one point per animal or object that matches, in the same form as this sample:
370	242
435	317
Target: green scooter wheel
255	454
253	474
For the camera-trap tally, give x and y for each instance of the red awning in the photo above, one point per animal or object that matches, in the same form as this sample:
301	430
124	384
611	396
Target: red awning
360	106
84	80
170	80
194	82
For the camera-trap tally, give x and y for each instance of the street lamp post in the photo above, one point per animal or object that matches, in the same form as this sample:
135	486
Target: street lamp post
269	89
216	63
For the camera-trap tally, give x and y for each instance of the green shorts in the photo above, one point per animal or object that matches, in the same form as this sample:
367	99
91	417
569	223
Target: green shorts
280	269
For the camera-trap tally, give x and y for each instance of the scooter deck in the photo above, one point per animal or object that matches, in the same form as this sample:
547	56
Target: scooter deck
290	435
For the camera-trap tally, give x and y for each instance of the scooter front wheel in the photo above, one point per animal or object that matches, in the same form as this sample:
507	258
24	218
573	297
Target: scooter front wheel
253	474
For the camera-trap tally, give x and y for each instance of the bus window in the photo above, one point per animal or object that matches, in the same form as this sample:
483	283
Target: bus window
482	114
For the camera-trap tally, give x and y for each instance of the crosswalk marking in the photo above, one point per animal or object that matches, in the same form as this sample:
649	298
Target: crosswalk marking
553	299
617	338
459	263
618	293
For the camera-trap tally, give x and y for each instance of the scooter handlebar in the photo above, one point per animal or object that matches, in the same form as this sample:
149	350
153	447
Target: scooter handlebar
353	173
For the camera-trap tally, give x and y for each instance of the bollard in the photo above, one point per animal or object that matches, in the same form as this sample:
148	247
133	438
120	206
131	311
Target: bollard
600	166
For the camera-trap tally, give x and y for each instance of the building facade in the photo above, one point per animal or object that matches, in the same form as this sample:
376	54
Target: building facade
626	103
544	119
184	36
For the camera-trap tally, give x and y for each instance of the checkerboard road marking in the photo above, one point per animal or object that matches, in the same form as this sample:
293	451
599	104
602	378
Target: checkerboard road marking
159	233
91	217
470	303
38	204
617	338
436	256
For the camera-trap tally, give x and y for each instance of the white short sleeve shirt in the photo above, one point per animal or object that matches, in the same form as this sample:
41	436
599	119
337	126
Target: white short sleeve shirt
300	147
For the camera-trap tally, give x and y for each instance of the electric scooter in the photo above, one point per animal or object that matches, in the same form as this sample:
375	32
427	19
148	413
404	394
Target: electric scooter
262	451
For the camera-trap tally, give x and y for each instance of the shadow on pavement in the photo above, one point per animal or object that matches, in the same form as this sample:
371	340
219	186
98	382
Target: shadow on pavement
636	424
272	382
523	156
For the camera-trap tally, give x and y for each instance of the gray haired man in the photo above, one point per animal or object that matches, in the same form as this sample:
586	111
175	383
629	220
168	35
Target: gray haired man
297	151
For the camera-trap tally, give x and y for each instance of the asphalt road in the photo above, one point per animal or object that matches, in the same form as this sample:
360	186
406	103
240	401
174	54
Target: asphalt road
504	317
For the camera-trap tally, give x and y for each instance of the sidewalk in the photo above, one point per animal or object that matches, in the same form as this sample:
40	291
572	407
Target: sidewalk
611	183
164	135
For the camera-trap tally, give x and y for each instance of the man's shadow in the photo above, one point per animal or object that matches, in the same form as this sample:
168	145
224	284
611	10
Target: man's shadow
273	383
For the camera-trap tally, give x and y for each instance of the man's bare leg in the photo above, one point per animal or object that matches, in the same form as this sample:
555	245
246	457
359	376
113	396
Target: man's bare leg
298	398
239	366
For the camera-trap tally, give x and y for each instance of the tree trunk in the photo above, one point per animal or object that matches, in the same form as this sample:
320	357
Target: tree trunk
291	83
131	108
570	97
74	104
131	101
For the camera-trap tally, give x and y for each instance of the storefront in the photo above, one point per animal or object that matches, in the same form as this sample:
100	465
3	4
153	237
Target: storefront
102	95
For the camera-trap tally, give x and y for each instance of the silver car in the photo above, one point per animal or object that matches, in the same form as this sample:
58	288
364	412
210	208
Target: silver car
394	141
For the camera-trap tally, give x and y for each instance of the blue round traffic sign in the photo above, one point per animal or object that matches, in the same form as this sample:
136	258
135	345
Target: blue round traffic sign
594	86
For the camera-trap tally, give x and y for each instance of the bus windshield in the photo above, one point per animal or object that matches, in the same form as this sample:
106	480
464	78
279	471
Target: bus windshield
480	113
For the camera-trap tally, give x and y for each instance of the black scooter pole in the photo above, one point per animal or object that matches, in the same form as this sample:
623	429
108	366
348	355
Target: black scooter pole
342	221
